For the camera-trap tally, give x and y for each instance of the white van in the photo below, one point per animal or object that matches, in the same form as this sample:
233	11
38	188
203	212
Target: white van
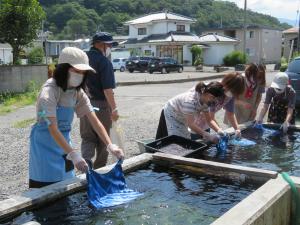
119	64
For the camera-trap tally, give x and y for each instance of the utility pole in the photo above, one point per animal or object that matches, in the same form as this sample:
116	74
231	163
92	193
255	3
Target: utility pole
298	41
245	26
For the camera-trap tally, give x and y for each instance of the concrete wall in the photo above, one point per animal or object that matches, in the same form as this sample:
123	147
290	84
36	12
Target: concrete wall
17	78
263	46
215	54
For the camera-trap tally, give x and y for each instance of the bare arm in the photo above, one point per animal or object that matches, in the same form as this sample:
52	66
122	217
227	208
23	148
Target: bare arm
289	114
263	113
211	122
232	119
58	137
109	95
101	132
190	122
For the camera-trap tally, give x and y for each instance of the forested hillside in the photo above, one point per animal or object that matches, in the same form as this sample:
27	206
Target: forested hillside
69	19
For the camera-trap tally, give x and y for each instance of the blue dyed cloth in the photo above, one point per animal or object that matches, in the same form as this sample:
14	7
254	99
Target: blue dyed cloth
223	143
243	142
271	132
109	189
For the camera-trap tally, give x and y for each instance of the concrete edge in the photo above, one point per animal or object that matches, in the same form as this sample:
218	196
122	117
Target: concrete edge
28	199
256	204
215	166
130	83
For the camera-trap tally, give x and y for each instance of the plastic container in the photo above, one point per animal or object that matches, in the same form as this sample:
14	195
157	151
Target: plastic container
185	146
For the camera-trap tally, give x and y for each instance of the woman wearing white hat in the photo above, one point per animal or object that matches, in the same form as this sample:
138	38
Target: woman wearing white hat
52	157
281	98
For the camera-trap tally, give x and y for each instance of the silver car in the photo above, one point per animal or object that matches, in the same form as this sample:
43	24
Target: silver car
293	71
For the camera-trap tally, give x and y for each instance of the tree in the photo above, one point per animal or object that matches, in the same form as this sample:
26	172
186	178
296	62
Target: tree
20	21
197	55
36	55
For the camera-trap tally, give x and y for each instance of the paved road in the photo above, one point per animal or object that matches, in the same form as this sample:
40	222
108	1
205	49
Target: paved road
139	105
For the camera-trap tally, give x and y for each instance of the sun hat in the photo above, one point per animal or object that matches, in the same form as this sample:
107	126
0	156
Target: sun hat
104	37
280	81
76	58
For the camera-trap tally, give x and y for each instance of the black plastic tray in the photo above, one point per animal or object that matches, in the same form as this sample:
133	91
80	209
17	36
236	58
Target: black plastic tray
189	145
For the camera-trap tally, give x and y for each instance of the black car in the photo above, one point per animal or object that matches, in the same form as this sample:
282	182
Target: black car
293	71
138	63
164	65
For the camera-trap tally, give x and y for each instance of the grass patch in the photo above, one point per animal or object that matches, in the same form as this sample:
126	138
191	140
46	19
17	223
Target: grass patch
12	101
24	123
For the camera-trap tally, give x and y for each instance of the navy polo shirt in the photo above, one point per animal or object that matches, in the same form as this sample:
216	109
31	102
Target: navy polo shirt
104	77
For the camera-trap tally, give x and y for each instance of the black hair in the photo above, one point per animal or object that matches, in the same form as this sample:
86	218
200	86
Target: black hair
61	76
214	88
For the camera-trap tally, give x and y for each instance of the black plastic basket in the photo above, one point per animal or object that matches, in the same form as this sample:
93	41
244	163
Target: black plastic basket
190	146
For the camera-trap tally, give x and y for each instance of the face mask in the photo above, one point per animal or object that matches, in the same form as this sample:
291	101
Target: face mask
75	79
107	52
228	94
278	91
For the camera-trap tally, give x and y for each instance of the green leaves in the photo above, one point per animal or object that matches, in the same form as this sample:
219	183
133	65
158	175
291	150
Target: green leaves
20	22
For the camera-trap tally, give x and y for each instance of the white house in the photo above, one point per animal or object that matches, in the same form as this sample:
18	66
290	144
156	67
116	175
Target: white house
162	34
218	47
6	55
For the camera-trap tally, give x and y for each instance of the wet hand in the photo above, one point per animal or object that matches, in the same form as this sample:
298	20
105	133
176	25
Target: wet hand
211	137
116	151
115	115
78	161
238	134
285	126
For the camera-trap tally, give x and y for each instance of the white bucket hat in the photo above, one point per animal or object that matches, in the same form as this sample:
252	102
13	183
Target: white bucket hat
280	81
76	58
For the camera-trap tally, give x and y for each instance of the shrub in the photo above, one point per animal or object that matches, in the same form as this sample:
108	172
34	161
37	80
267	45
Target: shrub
36	56
234	58
283	67
197	52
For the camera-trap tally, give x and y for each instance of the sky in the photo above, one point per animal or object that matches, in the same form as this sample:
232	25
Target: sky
278	8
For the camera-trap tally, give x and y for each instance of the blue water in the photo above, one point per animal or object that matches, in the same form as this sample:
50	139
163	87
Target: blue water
278	153
170	197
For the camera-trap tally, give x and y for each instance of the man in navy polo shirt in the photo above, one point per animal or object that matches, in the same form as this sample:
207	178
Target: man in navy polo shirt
100	91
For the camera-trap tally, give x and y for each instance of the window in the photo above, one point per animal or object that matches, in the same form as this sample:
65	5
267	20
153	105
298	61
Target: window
142	31
116	60
230	33
250	51
180	28
57	49
148	52
251	34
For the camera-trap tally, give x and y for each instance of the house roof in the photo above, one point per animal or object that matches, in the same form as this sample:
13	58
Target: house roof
212	37
160	16
172	36
291	30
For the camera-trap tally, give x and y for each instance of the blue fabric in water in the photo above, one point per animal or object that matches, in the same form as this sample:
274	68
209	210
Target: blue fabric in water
271	132
223	144
243	142
109	189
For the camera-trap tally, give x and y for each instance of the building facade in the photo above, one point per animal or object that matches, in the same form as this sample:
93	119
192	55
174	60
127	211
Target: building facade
263	45
162	34
6	55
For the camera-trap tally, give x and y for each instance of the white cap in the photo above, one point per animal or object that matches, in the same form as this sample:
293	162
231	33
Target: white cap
280	81
76	58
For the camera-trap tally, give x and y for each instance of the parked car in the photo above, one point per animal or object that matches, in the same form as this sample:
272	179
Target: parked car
119	64
293	71
138	63
164	65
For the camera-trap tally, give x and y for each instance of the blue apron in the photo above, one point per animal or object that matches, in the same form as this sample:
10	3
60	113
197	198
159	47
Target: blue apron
47	161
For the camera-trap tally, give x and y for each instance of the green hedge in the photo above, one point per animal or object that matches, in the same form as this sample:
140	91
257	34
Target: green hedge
234	58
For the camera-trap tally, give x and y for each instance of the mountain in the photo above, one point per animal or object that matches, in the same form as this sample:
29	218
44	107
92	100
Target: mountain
288	21
71	19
